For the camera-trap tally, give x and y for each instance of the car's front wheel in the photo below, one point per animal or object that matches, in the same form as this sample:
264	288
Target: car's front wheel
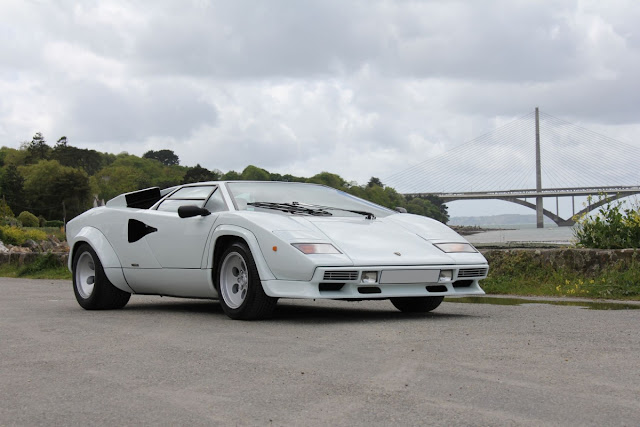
91	286
416	304
239	288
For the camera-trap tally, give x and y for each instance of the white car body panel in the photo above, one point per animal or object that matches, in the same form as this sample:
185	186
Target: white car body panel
252	242
176	256
181	249
190	283
369	242
108	256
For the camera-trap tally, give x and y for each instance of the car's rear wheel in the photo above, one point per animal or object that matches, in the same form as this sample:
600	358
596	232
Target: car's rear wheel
239	287
416	304
91	286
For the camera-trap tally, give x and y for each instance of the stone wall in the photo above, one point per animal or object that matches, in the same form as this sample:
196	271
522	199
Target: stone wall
573	259
22	258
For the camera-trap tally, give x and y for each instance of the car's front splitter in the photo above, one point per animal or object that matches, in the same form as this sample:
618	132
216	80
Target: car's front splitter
348	283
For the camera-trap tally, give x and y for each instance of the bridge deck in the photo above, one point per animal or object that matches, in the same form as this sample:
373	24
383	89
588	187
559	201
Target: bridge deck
527	193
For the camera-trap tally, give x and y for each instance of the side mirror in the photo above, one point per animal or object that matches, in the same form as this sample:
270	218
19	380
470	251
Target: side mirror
401	209
191	211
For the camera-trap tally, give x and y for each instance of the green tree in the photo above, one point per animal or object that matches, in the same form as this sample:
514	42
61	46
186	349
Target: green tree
129	173
375	181
89	160
5	210
37	149
231	176
439	203
117	179
11	156
12	187
291	178
62	142
424	207
199	174
166	157
253	173
55	191
328	179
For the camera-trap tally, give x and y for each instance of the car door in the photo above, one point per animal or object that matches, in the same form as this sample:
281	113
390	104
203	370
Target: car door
180	242
161	244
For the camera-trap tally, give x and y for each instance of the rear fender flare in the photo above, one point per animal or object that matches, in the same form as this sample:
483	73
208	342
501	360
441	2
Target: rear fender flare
106	254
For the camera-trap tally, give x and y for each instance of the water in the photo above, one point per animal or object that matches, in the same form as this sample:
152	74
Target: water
550	235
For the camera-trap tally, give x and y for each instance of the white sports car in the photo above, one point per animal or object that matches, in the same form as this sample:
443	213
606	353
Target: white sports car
250	243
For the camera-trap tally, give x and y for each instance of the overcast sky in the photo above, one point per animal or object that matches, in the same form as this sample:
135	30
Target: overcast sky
358	88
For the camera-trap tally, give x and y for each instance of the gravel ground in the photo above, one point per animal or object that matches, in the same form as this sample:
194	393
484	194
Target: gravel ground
165	361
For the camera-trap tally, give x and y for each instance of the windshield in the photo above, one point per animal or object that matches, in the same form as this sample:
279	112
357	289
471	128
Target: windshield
247	194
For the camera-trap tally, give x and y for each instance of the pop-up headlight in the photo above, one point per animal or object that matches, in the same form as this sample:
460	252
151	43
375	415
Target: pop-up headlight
455	247
316	248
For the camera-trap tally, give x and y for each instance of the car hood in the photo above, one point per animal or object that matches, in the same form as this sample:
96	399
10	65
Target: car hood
378	242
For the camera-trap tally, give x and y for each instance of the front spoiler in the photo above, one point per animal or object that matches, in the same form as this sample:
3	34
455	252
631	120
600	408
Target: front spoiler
319	287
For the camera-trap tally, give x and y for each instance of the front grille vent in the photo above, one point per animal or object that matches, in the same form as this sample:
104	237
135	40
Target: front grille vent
341	275
369	290
330	287
472	272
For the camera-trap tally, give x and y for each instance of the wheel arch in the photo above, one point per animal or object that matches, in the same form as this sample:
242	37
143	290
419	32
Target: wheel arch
105	252
225	235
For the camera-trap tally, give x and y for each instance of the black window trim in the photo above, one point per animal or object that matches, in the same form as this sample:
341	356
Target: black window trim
205	200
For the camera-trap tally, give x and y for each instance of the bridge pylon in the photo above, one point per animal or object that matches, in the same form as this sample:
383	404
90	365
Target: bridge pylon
539	205
578	163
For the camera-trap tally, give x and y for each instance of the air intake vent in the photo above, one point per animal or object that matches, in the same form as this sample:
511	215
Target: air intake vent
340	275
369	290
462	283
330	287
472	272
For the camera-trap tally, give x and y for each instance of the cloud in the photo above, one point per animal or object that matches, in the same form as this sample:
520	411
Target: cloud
360	88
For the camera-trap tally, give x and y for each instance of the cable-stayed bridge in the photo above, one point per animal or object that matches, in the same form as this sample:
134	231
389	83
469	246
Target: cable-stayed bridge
526	161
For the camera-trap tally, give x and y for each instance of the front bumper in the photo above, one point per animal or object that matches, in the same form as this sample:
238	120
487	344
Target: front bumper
346	283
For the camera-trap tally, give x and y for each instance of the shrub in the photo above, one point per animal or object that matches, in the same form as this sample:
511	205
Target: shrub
8	220
36	235
54	223
5	210
11	235
613	227
28	219
17	236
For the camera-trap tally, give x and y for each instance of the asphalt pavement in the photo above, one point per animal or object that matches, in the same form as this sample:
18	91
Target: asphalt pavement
167	361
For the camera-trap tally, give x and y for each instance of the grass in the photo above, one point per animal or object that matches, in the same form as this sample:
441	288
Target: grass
44	267
619	281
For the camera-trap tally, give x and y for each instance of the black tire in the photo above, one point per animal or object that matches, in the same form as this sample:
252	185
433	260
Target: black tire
92	288
239	288
417	304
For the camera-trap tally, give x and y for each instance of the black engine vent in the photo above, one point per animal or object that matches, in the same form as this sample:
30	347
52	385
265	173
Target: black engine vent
472	272
345	275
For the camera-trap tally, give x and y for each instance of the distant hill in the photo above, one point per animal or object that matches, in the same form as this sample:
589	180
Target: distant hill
506	219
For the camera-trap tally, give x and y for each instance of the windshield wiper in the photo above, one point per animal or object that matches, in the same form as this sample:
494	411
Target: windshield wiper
368	215
305	208
293	208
